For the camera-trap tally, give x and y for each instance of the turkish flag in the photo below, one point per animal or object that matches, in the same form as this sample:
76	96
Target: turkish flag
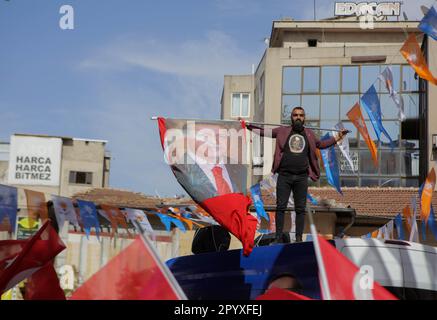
35	252
44	285
345	281
134	274
231	211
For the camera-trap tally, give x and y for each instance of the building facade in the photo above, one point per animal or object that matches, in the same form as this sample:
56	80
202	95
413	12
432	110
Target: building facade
54	165
326	66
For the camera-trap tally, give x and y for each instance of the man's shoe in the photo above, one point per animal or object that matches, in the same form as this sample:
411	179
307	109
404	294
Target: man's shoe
298	239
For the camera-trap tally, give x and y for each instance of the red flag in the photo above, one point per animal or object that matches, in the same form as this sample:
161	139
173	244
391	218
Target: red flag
208	162
281	294
37	251
134	274
345	282
44	285
36	205
231	211
425	201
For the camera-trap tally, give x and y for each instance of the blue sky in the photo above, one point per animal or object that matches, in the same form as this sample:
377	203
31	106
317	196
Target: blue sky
126	61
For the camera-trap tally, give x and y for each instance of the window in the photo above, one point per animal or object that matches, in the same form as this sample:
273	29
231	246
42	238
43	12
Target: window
311	104
78	177
330	107
349	81
257	150
292	80
330	79
240	105
327	93
261	89
311	78
369	76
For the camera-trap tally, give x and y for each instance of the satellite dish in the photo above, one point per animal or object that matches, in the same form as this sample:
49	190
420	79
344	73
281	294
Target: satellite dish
405	16
424	9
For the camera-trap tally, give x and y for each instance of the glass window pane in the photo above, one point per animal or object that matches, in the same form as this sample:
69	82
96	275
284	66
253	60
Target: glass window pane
369	76
366	163
327	124
390	182
409	83
352	135
389	109
396	71
288	103
311	77
347	101
292	80
390	163
411	105
349	182
314	124
331	79
372	134
349	81
343	164
311	104
235	112
393	129
410	163
330	107
245	105
369	182
410	183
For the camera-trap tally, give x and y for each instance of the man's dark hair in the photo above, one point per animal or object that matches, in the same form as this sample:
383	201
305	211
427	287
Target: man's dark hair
297	108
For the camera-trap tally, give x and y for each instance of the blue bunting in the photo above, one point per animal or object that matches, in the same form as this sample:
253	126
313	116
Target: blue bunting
331	166
88	214
371	104
167	221
258	202
312	200
428	24
399	228
8	205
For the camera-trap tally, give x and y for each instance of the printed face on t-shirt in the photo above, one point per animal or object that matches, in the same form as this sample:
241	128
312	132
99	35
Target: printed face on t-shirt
296	143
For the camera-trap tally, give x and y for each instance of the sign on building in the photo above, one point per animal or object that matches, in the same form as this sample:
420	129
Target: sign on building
34	160
381	9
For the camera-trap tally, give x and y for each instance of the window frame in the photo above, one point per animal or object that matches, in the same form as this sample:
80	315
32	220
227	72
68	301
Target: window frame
240	105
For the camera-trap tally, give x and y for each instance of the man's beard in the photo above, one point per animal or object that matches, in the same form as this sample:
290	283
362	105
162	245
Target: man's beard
297	125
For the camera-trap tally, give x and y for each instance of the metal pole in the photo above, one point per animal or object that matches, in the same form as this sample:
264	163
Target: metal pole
143	234
258	123
320	263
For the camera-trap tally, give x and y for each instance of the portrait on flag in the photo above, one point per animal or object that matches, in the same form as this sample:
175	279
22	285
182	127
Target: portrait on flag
208	159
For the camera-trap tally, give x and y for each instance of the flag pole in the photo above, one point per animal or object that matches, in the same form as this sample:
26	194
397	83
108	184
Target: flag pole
322	271
143	234
258	123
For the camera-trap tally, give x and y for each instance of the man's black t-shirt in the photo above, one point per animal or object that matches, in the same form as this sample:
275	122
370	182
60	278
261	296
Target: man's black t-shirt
295	157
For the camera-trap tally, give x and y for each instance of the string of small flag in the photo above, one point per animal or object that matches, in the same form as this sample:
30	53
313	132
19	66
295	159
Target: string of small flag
85	214
420	208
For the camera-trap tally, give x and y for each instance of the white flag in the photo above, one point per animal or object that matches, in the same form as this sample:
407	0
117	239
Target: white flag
389	230
343	145
140	217
387	78
64	211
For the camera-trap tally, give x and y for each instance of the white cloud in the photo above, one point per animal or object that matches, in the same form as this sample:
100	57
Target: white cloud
187	80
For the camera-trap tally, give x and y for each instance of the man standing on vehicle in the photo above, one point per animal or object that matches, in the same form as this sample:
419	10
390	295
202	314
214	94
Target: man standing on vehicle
295	160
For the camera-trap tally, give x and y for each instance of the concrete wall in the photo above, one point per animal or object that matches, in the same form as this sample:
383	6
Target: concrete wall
85	156
432	102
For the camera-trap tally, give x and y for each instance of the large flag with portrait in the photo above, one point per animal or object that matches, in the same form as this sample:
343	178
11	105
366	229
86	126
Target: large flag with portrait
208	159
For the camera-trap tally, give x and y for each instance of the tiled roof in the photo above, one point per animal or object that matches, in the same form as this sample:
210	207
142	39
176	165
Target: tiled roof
129	199
372	202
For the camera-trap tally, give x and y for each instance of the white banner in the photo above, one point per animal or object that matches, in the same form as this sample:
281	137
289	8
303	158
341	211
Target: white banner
34	161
